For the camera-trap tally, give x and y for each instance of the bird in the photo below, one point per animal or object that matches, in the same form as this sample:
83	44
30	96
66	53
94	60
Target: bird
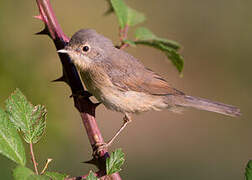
122	83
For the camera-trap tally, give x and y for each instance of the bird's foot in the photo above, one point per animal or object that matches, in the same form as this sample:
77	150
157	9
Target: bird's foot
99	147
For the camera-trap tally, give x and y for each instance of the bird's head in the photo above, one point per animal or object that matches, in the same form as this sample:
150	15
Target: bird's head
87	47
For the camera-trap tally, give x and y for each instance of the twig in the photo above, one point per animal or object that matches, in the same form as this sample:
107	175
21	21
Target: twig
71	77
46	165
123	34
33	159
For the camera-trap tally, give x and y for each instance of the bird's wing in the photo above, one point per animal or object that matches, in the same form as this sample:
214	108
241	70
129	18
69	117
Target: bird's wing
129	74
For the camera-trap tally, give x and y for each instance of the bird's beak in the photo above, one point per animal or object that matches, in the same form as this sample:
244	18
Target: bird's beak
62	51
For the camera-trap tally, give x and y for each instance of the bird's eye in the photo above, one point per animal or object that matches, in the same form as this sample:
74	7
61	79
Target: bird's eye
85	48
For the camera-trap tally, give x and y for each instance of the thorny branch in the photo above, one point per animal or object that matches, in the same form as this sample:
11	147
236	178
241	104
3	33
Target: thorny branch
71	77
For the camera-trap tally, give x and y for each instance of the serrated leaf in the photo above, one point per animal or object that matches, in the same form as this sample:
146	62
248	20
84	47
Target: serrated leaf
11	144
125	14
26	117
134	17
38	122
121	11
248	171
55	175
114	162
22	173
145	37
144	34
91	176
19	110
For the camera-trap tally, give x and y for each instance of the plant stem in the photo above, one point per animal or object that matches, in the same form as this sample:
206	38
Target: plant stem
123	34
46	165
33	158
71	77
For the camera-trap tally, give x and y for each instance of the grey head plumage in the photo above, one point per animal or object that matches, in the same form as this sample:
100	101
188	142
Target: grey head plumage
92	37
98	47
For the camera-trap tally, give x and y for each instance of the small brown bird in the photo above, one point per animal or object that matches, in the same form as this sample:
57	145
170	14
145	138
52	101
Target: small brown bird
122	83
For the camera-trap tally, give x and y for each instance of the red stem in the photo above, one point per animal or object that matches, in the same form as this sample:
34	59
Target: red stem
123	33
33	159
123	36
71	77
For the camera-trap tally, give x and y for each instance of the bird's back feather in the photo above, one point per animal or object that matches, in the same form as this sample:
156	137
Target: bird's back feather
129	74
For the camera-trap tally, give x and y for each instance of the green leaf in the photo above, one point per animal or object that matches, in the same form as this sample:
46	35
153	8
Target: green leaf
126	15
121	11
114	162
26	117
134	17
91	176
248	171
38	177
38	123
145	37
144	34
22	173
11	144
55	175
131	43
177	60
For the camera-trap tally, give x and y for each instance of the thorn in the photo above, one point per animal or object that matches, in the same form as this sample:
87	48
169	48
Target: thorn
61	79
38	17
92	161
43	32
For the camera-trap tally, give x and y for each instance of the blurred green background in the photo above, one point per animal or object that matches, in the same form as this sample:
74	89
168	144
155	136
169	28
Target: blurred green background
216	39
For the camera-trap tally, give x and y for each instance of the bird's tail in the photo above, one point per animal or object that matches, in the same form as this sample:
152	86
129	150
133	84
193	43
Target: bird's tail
208	105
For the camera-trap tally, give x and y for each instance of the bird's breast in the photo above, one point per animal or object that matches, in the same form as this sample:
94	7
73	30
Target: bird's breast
95	81
100	86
